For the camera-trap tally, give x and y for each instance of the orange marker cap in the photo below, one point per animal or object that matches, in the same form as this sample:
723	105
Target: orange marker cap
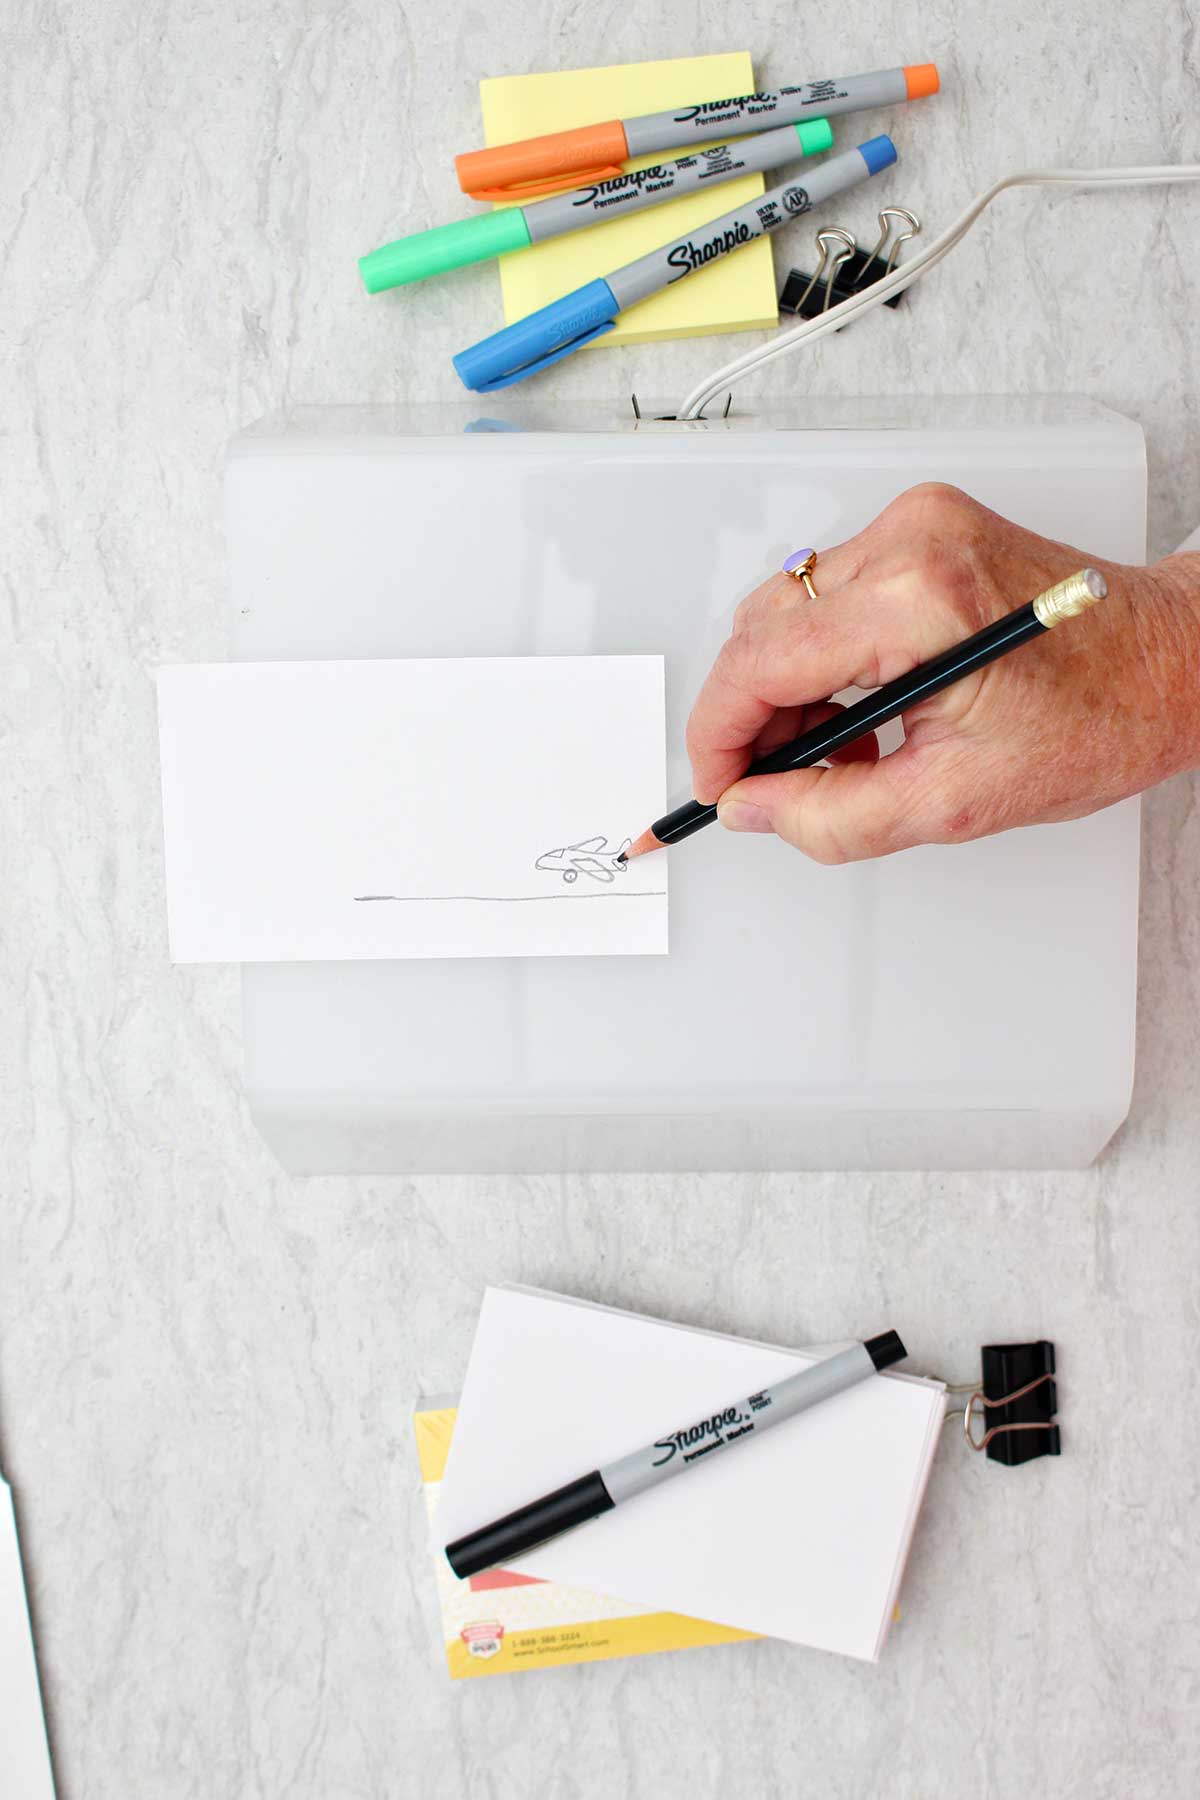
920	79
538	165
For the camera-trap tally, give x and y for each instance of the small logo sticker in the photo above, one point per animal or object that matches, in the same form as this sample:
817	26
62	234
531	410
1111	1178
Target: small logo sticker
483	1639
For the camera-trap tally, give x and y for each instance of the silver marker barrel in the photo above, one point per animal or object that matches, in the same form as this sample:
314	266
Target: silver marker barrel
613	1483
670	262
651	132
638	188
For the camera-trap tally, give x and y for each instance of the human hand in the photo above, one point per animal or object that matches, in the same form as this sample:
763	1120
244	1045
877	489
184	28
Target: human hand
1098	709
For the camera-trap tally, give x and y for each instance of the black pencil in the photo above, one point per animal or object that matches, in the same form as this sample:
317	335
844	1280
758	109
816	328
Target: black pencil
1063	601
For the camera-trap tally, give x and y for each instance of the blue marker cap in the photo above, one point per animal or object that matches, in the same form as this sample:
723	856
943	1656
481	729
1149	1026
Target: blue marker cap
545	337
878	153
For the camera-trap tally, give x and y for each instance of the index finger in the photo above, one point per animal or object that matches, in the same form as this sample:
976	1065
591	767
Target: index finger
885	619
786	658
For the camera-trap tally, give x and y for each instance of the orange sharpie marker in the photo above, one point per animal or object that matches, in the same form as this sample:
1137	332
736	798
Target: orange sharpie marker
595	152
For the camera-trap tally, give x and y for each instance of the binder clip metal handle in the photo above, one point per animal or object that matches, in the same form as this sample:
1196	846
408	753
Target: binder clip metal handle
1003	1400
848	270
885	232
830	261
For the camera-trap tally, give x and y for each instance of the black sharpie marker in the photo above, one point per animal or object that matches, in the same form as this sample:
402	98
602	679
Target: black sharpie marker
507	1538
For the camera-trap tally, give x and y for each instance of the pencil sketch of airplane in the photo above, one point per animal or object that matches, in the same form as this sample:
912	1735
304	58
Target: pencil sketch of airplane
593	857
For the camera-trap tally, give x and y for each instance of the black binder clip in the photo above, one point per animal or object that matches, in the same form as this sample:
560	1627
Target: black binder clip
843	269
1018	1400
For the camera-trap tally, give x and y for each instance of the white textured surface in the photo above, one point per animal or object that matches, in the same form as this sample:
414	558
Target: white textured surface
206	1369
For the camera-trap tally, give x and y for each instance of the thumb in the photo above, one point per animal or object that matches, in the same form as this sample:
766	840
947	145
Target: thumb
834	815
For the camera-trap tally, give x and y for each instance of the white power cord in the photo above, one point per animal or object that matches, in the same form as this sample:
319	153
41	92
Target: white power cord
1152	175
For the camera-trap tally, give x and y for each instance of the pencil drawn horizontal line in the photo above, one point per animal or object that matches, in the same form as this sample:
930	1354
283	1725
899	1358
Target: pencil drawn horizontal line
520	899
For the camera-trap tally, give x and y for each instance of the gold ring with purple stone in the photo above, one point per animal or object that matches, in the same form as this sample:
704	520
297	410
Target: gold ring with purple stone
800	565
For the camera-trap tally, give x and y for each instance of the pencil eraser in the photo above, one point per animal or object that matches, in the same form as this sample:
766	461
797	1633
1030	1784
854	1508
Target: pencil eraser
920	79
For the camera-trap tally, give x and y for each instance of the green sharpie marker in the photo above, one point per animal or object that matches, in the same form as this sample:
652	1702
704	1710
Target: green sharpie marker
515	227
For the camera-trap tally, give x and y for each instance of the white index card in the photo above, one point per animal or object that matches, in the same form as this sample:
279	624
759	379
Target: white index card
24	1754
802	1534
471	806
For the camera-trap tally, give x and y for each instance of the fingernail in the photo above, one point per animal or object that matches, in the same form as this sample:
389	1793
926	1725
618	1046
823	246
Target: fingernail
740	815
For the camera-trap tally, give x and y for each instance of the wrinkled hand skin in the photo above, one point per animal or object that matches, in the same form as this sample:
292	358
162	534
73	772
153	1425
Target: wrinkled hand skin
1102	707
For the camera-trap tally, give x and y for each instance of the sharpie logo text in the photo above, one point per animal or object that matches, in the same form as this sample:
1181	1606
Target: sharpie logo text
709	107
688	256
706	1434
574	326
631	183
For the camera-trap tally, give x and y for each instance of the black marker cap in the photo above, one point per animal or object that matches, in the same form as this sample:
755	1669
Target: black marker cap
530	1526
885	1349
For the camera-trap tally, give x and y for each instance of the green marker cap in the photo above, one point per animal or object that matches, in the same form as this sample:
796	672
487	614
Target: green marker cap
445	247
815	135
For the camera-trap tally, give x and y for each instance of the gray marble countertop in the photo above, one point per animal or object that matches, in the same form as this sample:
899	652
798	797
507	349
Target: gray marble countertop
207	1368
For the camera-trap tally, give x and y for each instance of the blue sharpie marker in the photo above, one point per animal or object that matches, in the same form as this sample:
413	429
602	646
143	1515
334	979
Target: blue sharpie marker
554	331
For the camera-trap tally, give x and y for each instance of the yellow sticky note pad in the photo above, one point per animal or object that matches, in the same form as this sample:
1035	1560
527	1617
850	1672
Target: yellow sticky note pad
736	293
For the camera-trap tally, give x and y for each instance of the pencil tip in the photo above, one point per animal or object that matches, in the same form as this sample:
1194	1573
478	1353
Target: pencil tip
642	845
623	858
